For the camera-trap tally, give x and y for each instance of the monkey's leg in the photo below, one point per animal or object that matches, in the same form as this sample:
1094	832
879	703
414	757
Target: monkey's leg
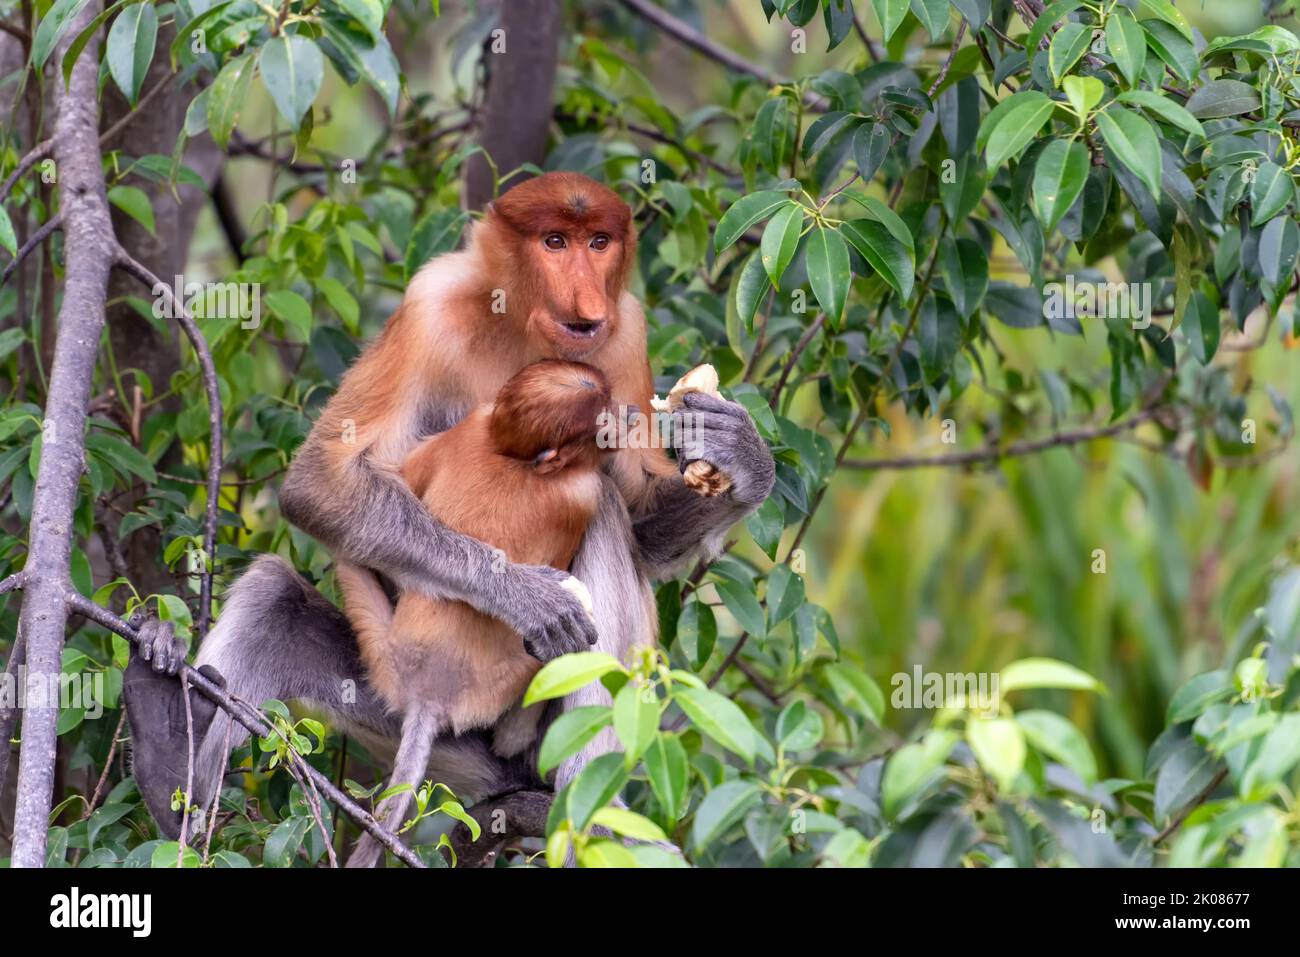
277	638
418	731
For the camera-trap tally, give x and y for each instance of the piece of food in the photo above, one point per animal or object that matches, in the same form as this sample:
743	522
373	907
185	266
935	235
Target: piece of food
701	476
580	592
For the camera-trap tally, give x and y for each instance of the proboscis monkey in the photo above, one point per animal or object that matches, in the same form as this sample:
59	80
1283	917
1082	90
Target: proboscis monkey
522	475
542	275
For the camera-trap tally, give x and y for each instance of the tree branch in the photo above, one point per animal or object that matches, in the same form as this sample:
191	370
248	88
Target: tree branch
995	453
503	819
89	247
46	230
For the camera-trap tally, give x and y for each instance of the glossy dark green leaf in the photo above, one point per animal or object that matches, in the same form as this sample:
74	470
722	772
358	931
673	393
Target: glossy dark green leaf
131	42
229	93
1069	43
883	252
1133	141
744	213
1059	176
1270	193
1220	98
827	259
292	69
780	240
965	271
1127	45
1013	128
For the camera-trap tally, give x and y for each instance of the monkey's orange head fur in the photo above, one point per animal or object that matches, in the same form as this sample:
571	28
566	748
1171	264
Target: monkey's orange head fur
563	245
549	413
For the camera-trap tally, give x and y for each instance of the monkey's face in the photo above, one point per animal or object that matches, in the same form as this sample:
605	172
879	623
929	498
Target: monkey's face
573	243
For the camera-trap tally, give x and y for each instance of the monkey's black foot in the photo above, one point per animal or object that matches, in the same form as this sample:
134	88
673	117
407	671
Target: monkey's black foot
155	707
158	644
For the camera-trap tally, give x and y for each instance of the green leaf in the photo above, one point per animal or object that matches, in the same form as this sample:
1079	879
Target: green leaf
568	733
1164	10
1165	108
722	809
1270	193
131	42
1127	45
1050	17
780	240
7	238
1046	673
1220	98
856	690
1057	738
293	309
1278	245
369	57
437	232
881	249
292	69
718	717
1134	143
891	14
1083	92
697	631
999	746
1201	327
912	767
1178	54
799	727
135	203
636	719
50	30
870	147
1017	126
229	93
752	286
933	15
965	271
1197	694
628	824
743	605
569	673
1059	176
369	13
1068	45
667	768
595	786
827	259
785	593
744	213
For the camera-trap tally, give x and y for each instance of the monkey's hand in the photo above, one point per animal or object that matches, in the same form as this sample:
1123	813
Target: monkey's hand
540	603
721	433
158	644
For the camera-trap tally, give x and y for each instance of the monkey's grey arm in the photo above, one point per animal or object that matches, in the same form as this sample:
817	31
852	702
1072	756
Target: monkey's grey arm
682	523
370	517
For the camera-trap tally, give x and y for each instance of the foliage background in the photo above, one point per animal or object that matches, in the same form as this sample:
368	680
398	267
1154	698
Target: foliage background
953	569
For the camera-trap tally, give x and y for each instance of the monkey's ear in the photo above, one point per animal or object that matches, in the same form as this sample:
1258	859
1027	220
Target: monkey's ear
547	461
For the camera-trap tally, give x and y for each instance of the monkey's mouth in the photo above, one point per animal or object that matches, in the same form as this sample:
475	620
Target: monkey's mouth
580	329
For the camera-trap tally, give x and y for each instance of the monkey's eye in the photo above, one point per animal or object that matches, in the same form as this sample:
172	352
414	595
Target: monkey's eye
599	242
554	241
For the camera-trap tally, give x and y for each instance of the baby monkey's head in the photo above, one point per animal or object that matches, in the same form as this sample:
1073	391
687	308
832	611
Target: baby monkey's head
549	414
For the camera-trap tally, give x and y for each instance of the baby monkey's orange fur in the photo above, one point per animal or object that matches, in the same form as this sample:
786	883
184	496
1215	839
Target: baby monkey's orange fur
522	475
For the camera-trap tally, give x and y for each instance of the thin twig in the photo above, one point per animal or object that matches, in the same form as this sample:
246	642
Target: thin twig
995	453
36	238
182	315
254	721
1201	797
947	64
795	355
98	793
